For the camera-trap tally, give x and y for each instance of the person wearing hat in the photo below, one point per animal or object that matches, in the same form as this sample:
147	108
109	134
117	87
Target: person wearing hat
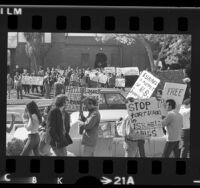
90	127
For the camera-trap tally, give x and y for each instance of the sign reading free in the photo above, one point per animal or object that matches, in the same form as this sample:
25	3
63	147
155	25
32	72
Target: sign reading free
144	86
174	91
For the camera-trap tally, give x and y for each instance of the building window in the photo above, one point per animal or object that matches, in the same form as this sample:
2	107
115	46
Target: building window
85	59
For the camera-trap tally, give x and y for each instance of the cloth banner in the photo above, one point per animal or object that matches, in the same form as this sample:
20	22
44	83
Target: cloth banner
108	70
120	82
32	80
144	86
145	119
127	71
74	96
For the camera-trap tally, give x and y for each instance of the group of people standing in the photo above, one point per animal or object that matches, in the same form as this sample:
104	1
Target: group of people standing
176	127
57	80
51	130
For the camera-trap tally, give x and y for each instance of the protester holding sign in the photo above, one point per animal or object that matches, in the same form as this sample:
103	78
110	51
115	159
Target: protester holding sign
173	123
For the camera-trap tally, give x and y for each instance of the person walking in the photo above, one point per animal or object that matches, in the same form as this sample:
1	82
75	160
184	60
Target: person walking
173	123
185	134
58	127
9	85
18	85
90	127
32	120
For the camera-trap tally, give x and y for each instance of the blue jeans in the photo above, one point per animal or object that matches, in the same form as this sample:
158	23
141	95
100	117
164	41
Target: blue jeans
32	144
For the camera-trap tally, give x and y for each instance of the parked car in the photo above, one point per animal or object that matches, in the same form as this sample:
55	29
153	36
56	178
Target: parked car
110	144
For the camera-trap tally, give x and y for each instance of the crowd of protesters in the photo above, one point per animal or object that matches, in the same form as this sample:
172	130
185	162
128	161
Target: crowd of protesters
55	80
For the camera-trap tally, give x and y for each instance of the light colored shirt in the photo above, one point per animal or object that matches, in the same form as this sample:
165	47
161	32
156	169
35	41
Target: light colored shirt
32	124
174	123
185	112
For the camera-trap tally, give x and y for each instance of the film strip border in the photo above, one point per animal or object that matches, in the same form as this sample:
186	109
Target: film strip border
105	20
119	171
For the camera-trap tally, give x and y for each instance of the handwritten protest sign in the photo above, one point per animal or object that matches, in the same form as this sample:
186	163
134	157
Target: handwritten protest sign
74	95
32	80
127	71
145	118
103	78
144	86
120	82
174	91
108	70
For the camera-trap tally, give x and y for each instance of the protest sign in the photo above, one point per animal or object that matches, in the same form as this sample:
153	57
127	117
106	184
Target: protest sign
145	118
174	91
144	86
32	80
74	95
103	78
127	71
120	82
108	70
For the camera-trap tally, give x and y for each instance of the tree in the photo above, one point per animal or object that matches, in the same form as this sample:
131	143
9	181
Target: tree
36	49
173	49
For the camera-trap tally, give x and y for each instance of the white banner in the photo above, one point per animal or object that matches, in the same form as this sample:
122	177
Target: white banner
103	78
108	70
32	80
74	95
174	91
127	71
145	118
120	82
144	86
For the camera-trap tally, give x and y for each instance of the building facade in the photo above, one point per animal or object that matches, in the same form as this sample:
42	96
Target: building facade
83	51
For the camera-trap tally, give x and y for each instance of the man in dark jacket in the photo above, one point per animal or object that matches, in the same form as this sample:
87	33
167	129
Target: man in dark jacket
90	128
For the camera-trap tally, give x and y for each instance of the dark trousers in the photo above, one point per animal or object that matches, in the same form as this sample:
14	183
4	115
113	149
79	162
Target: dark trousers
169	147
42	90
185	138
141	147
26	88
19	92
33	88
32	144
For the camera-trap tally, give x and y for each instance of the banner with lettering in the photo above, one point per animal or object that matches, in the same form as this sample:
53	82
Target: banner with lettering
145	119
174	91
127	71
144	86
74	96
32	80
120	82
108	70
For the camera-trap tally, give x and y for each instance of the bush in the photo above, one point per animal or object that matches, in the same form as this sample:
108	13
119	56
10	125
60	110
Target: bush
14	147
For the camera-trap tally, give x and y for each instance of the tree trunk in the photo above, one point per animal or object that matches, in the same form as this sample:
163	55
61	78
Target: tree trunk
149	52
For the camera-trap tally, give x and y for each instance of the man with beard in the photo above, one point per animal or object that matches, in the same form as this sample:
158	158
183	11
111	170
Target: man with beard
90	128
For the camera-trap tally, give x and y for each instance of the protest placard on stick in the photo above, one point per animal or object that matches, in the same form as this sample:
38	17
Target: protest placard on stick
145	118
120	82
174	91
144	86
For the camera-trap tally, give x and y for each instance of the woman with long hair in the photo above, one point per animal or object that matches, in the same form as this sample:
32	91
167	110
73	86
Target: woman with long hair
32	120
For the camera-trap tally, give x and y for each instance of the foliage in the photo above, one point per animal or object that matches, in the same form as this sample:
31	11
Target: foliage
169	48
35	49
14	147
